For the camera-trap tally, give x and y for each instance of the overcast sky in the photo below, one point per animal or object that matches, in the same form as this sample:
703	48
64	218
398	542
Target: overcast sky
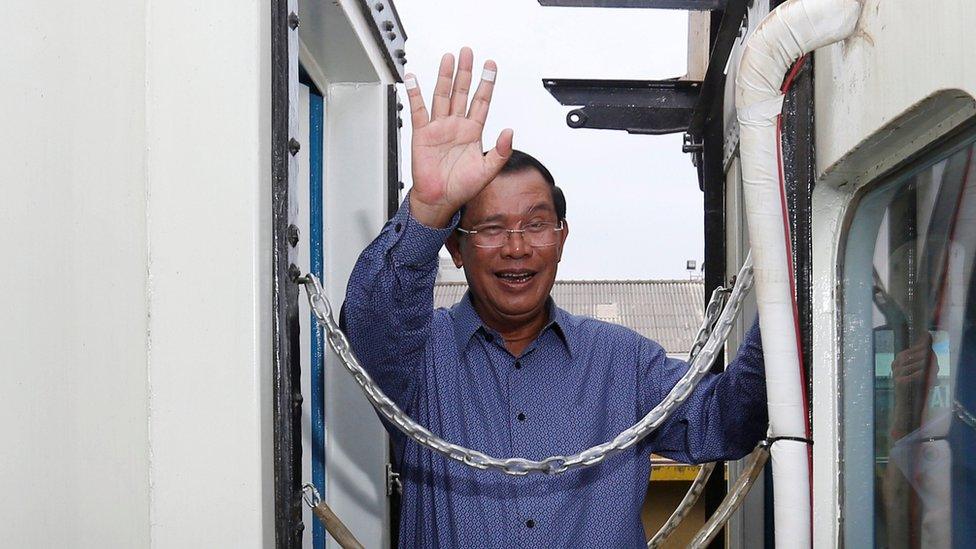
634	207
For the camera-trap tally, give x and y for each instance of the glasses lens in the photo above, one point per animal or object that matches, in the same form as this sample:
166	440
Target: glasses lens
489	237
537	235
540	234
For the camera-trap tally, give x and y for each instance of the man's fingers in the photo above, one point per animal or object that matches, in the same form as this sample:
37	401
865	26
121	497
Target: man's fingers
495	159
462	83
418	111
440	106
910	367
482	97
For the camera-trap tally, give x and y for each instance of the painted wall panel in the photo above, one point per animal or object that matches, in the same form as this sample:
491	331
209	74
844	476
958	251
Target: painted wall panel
209	181
135	348
73	398
354	212
901	53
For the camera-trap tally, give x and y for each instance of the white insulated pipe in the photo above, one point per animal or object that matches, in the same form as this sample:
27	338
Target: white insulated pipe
786	34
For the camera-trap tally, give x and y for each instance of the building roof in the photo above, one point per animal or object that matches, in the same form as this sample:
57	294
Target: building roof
667	311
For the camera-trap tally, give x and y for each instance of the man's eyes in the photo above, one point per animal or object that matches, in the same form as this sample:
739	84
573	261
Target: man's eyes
532	227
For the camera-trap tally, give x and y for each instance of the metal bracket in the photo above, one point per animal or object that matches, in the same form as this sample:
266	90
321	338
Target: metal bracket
393	483
691	144
653	107
701	5
388	32
286	364
694	146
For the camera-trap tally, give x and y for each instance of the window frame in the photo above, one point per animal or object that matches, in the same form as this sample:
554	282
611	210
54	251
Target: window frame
958	139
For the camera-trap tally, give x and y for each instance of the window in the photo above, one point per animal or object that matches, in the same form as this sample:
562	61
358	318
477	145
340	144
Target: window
909	357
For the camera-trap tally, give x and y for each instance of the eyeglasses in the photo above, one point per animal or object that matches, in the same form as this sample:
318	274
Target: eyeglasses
537	234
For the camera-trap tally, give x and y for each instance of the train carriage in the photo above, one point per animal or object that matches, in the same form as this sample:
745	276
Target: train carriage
173	170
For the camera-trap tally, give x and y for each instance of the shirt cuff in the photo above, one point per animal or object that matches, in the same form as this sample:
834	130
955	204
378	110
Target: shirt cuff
415	243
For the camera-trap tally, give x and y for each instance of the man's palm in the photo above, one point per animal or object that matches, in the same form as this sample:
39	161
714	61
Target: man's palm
449	167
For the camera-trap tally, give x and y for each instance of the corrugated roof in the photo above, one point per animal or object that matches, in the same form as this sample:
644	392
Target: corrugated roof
667	311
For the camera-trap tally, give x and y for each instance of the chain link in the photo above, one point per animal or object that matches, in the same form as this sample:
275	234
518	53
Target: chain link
697	487
717	323
737	494
687	503
963	414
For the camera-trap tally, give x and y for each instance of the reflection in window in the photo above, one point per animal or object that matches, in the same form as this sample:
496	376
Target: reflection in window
909	357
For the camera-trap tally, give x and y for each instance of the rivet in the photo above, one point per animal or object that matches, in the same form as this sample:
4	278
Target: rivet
293	20
294	146
387	25
294	272
391	36
293	235
379	6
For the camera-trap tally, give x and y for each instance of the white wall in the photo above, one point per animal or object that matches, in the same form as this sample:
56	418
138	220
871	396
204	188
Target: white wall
901	54
354	212
74	456
135	341
209	295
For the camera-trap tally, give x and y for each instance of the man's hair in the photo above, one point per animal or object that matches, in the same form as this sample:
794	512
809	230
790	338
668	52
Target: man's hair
521	162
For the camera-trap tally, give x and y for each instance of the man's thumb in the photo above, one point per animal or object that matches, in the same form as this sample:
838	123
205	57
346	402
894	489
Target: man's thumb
497	157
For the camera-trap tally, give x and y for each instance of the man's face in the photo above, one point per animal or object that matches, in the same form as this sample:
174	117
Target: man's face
509	284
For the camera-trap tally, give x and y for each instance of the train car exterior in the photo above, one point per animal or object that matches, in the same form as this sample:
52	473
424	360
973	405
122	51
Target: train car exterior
140	152
878	145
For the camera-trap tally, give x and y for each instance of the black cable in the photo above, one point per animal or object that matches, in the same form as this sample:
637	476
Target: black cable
771	440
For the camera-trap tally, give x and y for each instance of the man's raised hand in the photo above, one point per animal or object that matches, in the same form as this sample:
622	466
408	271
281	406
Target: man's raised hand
449	168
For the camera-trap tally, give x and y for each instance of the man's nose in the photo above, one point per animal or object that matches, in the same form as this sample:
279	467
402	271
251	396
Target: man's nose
515	245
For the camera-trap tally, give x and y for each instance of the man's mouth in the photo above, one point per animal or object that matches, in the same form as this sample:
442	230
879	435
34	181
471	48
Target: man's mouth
515	277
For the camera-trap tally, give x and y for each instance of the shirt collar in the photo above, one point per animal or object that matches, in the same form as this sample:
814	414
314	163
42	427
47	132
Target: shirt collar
467	323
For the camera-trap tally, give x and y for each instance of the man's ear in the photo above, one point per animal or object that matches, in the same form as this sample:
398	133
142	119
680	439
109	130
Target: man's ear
454	247
563	234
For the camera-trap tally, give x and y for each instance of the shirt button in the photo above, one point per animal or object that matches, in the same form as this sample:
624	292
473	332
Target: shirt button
530	523
518	365
521	416
398	227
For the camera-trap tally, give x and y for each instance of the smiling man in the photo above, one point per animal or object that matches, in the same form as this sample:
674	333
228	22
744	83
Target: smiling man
506	371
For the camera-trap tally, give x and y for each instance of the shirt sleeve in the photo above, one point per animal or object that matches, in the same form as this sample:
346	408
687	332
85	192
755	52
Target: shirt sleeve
389	301
724	417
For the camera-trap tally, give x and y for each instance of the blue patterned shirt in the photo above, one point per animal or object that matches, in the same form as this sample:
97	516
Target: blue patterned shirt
579	383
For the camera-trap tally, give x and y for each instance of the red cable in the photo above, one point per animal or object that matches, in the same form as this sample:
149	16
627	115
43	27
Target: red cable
793	72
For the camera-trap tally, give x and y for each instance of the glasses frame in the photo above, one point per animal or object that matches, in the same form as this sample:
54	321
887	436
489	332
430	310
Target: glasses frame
509	232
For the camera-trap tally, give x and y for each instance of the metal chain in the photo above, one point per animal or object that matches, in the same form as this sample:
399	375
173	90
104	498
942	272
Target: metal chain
705	472
735	497
683	508
963	414
712	311
516	466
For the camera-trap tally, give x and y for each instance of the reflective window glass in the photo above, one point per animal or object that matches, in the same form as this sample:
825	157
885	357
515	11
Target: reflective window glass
909	358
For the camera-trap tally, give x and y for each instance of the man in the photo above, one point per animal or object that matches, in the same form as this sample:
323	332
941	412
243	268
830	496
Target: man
507	372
